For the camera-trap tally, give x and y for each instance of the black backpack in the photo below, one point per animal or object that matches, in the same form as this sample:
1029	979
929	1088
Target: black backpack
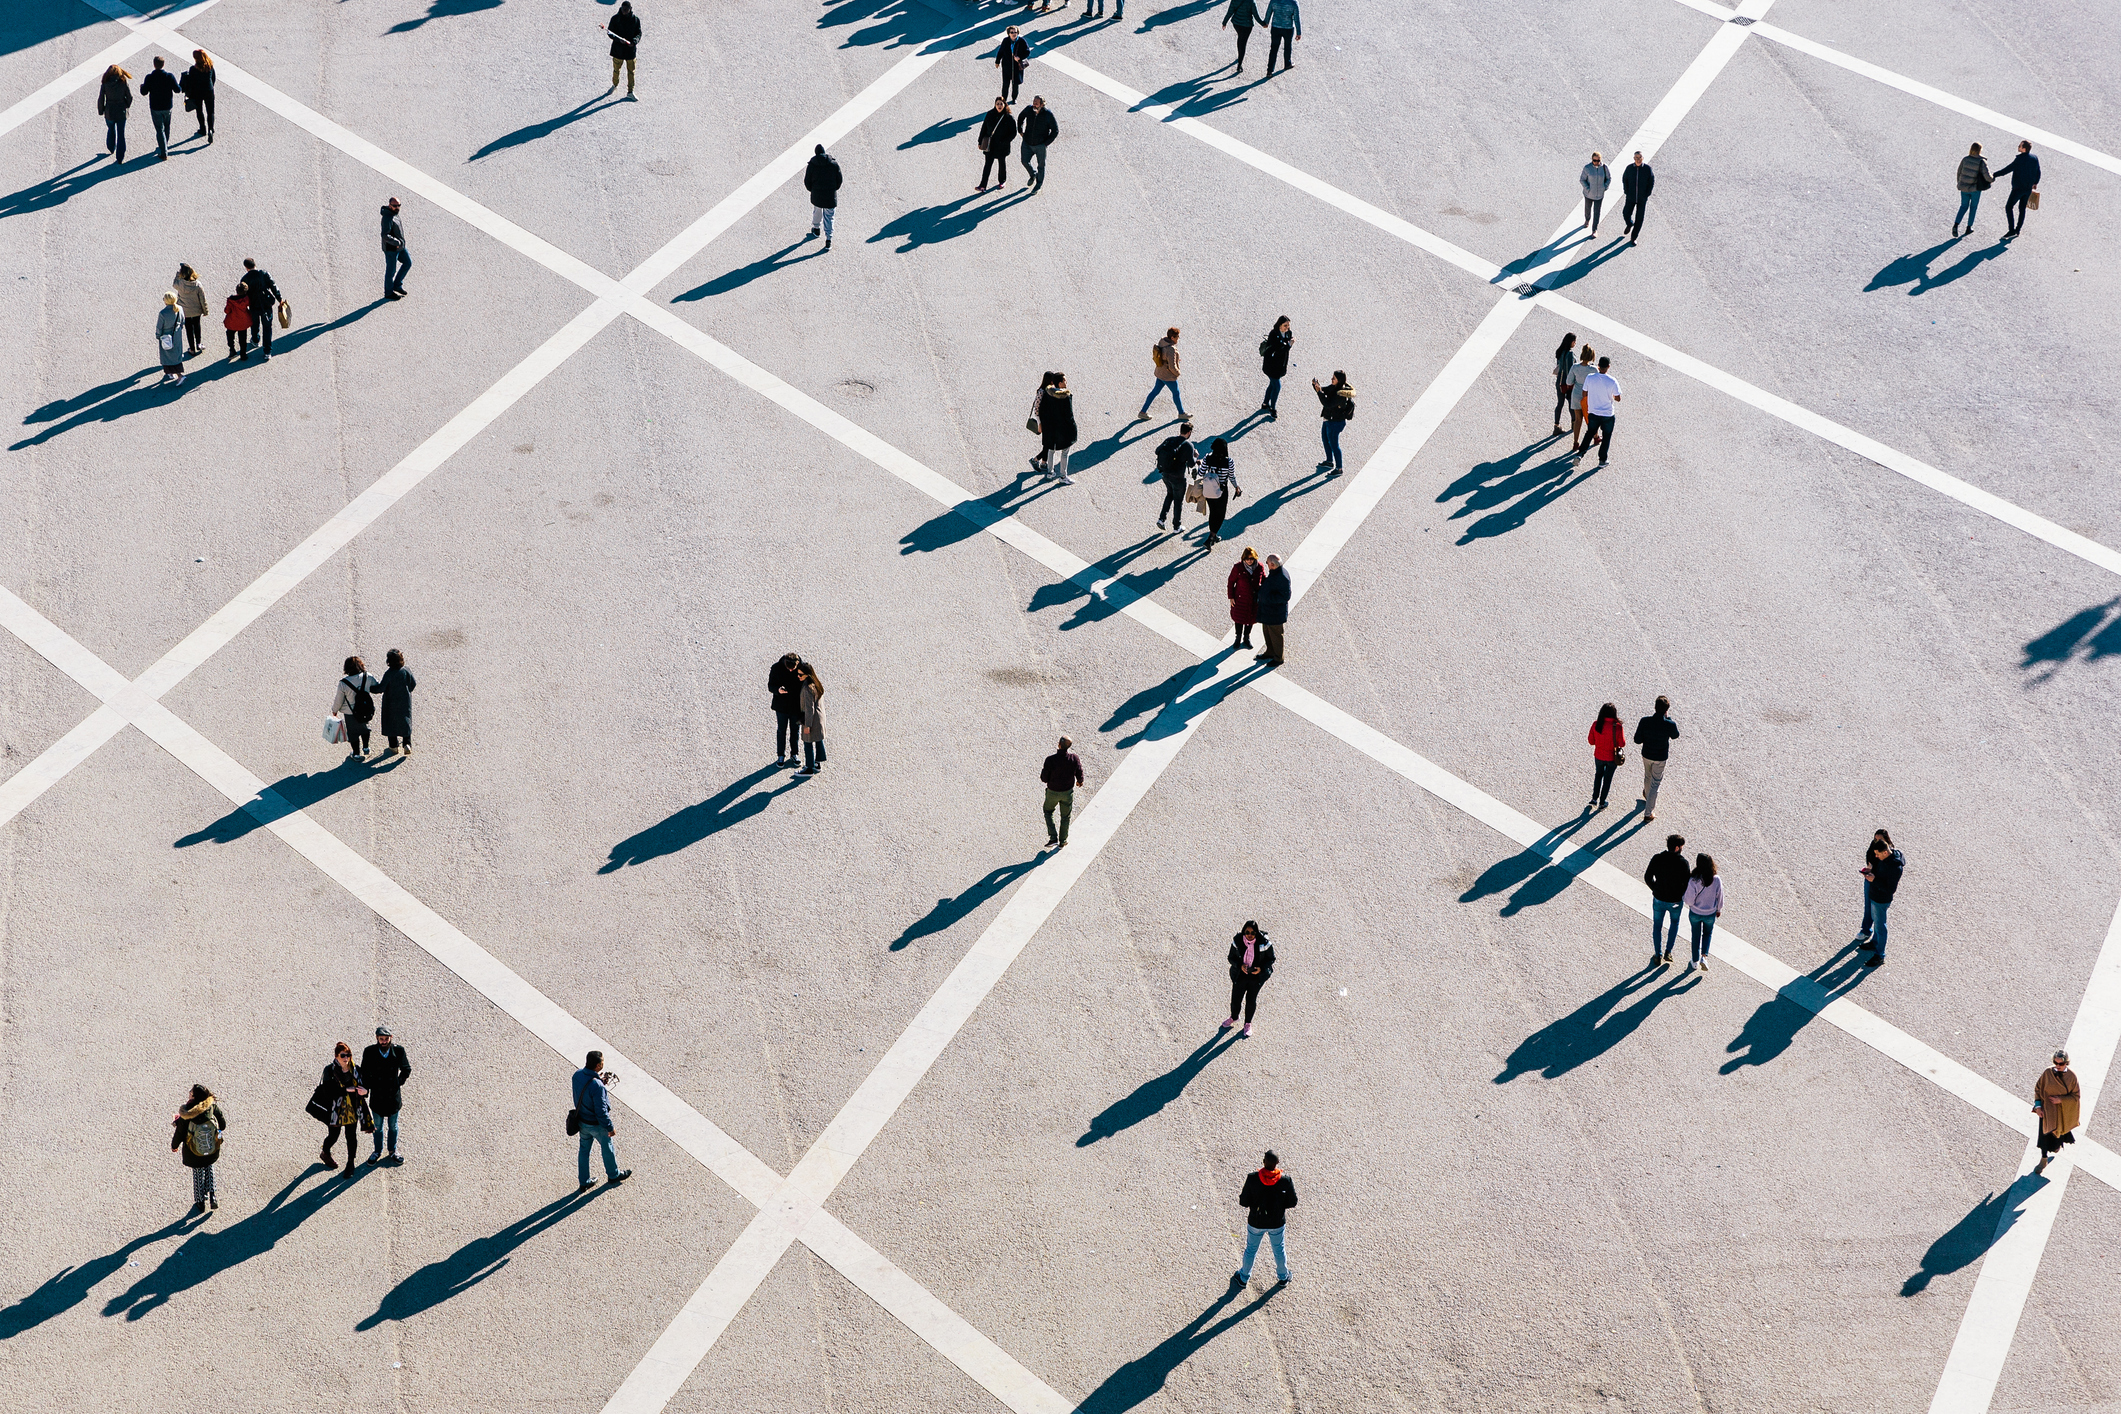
1341	408
1266	346
364	704
1169	456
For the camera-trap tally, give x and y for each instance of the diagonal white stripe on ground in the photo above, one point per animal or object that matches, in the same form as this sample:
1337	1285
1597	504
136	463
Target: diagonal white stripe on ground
88	70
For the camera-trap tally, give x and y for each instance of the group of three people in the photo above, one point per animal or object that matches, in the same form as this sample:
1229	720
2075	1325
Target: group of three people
114	101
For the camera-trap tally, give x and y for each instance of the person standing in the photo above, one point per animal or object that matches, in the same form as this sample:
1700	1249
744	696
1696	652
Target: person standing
1010	58
784	689
397	703
262	294
821	178
198	84
1336	409
1601	404
1586	364
397	259
592	1102
235	324
1564	360
1655	734
384	1071
1175	460
354	702
169	339
1973	179
1285	25
195	1134
1218	475
1040	128
1882	867
114	99
812	700
160	86
996	131
2056	1099
1056	428
340	1092
1274	362
1244	14
1163	355
625	32
1667	876
1062	772
2024	172
191	303
1636	183
1609	741
1704	905
1267	1196
1251	965
1271	603
1594	179
1242	589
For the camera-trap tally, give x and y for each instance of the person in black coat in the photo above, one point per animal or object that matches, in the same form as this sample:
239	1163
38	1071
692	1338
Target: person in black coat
114	99
262	291
996	131
625	32
195	1134
160	86
2024	172
1040	128
340	1093
1266	1198
1010	59
1056	428
397	704
1882	867
1271	602
784	689
1636	180
1175	459
1667	877
1251	964
384	1070
397	259
822	180
1274	362
198	84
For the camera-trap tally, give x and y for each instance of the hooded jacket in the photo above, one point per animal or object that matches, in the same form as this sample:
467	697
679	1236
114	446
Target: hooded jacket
822	180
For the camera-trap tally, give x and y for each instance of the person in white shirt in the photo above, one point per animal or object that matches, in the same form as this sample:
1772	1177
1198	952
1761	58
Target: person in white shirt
355	701
1601	398
1594	179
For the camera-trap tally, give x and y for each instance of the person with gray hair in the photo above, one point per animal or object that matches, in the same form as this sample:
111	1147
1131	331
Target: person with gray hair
2056	1097
1271	602
1594	179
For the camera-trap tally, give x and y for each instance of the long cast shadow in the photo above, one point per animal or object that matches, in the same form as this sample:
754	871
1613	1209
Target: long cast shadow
1967	1241
2087	636
1197	97
968	518
1175	14
1517	487
1130	432
1531	260
1570	274
942	130
1096	608
1532	876
731	805
1263	508
59	189
1594	1028
744	274
444	10
1151	1096
69	1287
209	1252
1550	879
1914	270
946	221
897	24
470	1264
1139	1380
1771	1028
283	797
545	127
949	910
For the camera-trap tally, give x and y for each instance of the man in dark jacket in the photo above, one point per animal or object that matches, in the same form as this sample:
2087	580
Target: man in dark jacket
160	86
1271	602
262	291
784	688
1336	409
1882	867
822	180
1039	130
1175	459
1062	772
1010	59
625	31
996	131
384	1070
1267	1197
2024	172
1654	734
1666	876
396	258
1636	181
592	1102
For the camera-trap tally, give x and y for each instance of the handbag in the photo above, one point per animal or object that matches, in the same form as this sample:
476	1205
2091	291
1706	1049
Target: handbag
335	729
1031	425
361	1112
574	1122
286	315
1197	494
319	1106
2032	202
169	341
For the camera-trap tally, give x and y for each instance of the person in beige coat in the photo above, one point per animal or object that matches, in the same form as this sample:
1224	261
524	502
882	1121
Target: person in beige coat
812	700
1165	357
191	303
2055	1098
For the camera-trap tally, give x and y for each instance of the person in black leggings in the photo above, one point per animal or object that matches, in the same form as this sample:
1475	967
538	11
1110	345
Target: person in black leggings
1251	964
341	1093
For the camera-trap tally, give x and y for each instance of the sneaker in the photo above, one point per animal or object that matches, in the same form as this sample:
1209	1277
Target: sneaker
1240	1278
1067	481
1228	1024
1036	464
828	243
1141	417
1247	1031
584	1187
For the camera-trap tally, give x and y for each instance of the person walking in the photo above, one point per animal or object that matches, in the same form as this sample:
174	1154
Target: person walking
1056	428
198	84
191	303
1040	129
114	99
1637	180
354	702
821	178
1609	740
2056	1099
340	1094
1655	734
1218	476
2024	172
1882	867
1062	772
1336	409
996	131
1594	179
784	690
397	258
160	86
812	700
1164	356
1242	589
1274	362
263	292
1010	58
1251	965
1667	876
625	32
169	339
1601	404
1175	460
1244	14
1267	1197
1704	905
1586	364
195	1134
1285	25
1564	360
592	1103
1271	603
1973	179
384	1071
398	685
235	324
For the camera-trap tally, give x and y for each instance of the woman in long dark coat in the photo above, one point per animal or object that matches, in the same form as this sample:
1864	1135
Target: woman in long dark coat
1251	964
1274	352
397	704
1056	427
341	1093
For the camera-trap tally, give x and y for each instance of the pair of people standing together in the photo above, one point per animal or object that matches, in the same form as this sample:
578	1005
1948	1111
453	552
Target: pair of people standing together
1676	887
366	1098
353	706
798	697
1259	595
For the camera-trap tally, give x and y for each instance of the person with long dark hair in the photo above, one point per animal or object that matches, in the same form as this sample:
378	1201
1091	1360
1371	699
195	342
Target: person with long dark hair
354	703
1242	587
195	1133
1251	964
341	1093
812	699
1564	360
996	132
1056	428
397	686
1704	905
1218	474
1609	741
191	303
1274	362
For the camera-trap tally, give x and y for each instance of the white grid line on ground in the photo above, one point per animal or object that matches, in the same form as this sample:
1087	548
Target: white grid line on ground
89	70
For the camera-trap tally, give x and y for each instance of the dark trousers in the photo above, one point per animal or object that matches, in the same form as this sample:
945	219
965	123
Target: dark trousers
1273	633
1600	430
160	118
1631	216
191	332
995	159
114	136
813	755
357	735
787	733
1012	81
1282	42
396	738
261	325
395	264
353	1141
1602	779
1329	434
1244	37
235	342
1216	507
2017	201
1561	400
1174	498
206	116
1244	991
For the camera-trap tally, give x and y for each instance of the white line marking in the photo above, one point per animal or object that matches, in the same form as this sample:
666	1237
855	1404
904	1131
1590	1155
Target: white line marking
52	764
88	71
1991	1322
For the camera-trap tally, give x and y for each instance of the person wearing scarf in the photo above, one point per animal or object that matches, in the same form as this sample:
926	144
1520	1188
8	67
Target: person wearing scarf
1251	964
200	1106
1267	1196
2055	1097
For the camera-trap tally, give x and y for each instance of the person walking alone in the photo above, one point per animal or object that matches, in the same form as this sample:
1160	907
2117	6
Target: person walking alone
1601	404
354	702
198	84
1056	428
1285	25
169	339
160	86
1267	1197
1704	905
1637	180
1244	14
1274	362
2056	1099
1882	867
1218	475
996	131
1609	741
235	324
195	1134
625	32
784	689
1594	179
1655	734
1251	966
384	1070
1667	876
397	258
1242	589
1564	360
341	1094
821	178
1271	603
1973	179
1336	409
397	685
592	1102
2024	172
263	292
1163	355
114	100
1175	460
1010	58
1062	772
812	700
191	303
1040	129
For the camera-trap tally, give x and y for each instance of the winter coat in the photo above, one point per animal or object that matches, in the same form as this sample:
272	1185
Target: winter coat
625	32
1283	14
198	82
1262	956
1275	361
385	1076
1243	589
1040	127
114	98
822	180
337	1091
348	694
1242	13
169	325
1013	55
1268	1206
997	132
191	298
393	230
1973	173
1336	402
160	86
235	314
2024	172
1885	875
1607	738
397	701
1668	876
1273	595
1637	182
1175	456
784	689
2056	1095
1165	358
262	292
180	1131
1056	419
1593	179
813	715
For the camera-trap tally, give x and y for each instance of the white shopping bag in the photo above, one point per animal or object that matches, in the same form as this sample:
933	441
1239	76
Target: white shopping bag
335	729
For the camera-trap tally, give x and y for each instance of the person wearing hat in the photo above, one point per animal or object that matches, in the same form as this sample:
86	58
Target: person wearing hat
2055	1099
384	1070
1251	964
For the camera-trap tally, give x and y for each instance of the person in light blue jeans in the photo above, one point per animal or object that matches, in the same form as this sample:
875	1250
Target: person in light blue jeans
1267	1197
1704	905
592	1101
1972	179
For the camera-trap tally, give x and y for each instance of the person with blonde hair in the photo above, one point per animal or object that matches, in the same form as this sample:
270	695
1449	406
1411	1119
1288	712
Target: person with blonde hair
169	339
113	98
198	85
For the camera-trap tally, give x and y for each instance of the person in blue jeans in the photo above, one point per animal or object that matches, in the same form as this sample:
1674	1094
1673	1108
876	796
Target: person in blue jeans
1164	356
1667	877
1267	1197
592	1101
1336	408
396	258
1973	179
1882	868
1704	905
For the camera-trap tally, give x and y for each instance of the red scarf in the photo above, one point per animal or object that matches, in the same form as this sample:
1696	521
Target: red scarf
1270	1177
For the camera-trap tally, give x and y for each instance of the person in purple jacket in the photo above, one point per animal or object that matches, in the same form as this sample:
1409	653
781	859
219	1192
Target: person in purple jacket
1062	773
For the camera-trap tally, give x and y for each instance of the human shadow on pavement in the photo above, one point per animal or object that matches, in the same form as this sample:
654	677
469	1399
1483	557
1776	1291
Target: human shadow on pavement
946	221
1130	433
1196	97
444	10
943	130
1596	1027
1914	270
1175	14
1140	1379
1771	1028
287	795
1533	874
1173	707
2087	636
1151	1096
949	910
210	1251
1570	274
1531	260
1263	508
1139	584
545	127
63	187
69	1287
1967	1241
470	1264
27	26
731	805
968	518
744	274
896	24
1516	487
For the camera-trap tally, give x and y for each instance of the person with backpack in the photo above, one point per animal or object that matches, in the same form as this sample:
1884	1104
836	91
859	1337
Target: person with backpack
1882	867
1655	735
1218	476
1274	362
114	100
996	131
592	1121
341	1099
1175	460
1056	428
263	294
1704	905
1973	179
821	178
355	704
384	1070
1667	877
398	685
235	324
195	1134
198	83
1609	740
1336	409
1267	1197
1251	967
784	689
160	86
1242	587
1163	355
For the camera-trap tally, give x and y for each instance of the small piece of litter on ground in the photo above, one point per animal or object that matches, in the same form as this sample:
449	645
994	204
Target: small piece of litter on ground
1344	991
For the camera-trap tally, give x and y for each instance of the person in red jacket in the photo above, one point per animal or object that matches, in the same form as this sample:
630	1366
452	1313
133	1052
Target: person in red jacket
235	321
1608	742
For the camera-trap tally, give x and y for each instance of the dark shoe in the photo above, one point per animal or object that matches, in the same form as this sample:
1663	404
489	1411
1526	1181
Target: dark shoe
1876	961
392	294
621	1176
584	1187
327	1160
374	1159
